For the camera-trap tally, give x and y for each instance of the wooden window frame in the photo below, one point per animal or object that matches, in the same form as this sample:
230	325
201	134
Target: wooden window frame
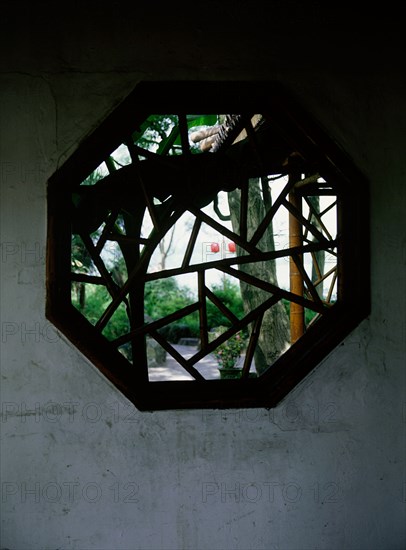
353	244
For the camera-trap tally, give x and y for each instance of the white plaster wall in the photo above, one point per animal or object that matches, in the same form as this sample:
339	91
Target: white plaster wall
80	467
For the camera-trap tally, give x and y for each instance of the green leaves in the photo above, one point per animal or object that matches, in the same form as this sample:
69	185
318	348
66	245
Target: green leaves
161	134
229	351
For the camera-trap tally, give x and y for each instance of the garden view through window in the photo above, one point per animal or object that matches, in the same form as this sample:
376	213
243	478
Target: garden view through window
195	241
212	259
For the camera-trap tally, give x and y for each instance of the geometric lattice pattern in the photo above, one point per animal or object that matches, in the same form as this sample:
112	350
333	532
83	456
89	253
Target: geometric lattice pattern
207	260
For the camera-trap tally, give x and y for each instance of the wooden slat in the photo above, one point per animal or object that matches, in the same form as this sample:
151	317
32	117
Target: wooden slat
310	286
155	325
315	283
330	292
111	220
313	230
252	345
271	213
184	137
139	269
269	287
127	240
238	260
316	266
176	355
90	279
98	262
202	310
191	244
150	205
313	212
219	304
244	210
329	207
223	230
238	325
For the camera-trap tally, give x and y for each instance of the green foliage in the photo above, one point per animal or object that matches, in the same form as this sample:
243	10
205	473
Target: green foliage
157	133
229	351
80	258
165	296
97	300
229	293
160	133
309	314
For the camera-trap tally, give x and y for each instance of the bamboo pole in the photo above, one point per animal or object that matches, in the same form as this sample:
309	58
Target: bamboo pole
297	324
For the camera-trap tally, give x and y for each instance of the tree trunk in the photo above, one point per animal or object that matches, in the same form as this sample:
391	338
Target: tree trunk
274	334
320	255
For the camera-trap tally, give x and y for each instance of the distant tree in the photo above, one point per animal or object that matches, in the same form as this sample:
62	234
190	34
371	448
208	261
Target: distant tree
274	335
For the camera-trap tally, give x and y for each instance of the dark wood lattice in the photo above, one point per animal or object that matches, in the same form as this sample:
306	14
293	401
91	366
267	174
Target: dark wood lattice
281	146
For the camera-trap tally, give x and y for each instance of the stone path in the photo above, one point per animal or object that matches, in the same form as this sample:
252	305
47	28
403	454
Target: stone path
171	370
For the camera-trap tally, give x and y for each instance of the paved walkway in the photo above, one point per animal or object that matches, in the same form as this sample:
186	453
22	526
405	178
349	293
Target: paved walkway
171	370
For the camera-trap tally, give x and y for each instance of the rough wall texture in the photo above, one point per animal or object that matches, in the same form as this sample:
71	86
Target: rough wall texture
81	469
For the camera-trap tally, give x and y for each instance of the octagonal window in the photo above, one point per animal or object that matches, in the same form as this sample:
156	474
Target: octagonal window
210	259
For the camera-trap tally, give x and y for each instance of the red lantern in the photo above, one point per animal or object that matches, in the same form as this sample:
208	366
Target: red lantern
214	247
231	247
